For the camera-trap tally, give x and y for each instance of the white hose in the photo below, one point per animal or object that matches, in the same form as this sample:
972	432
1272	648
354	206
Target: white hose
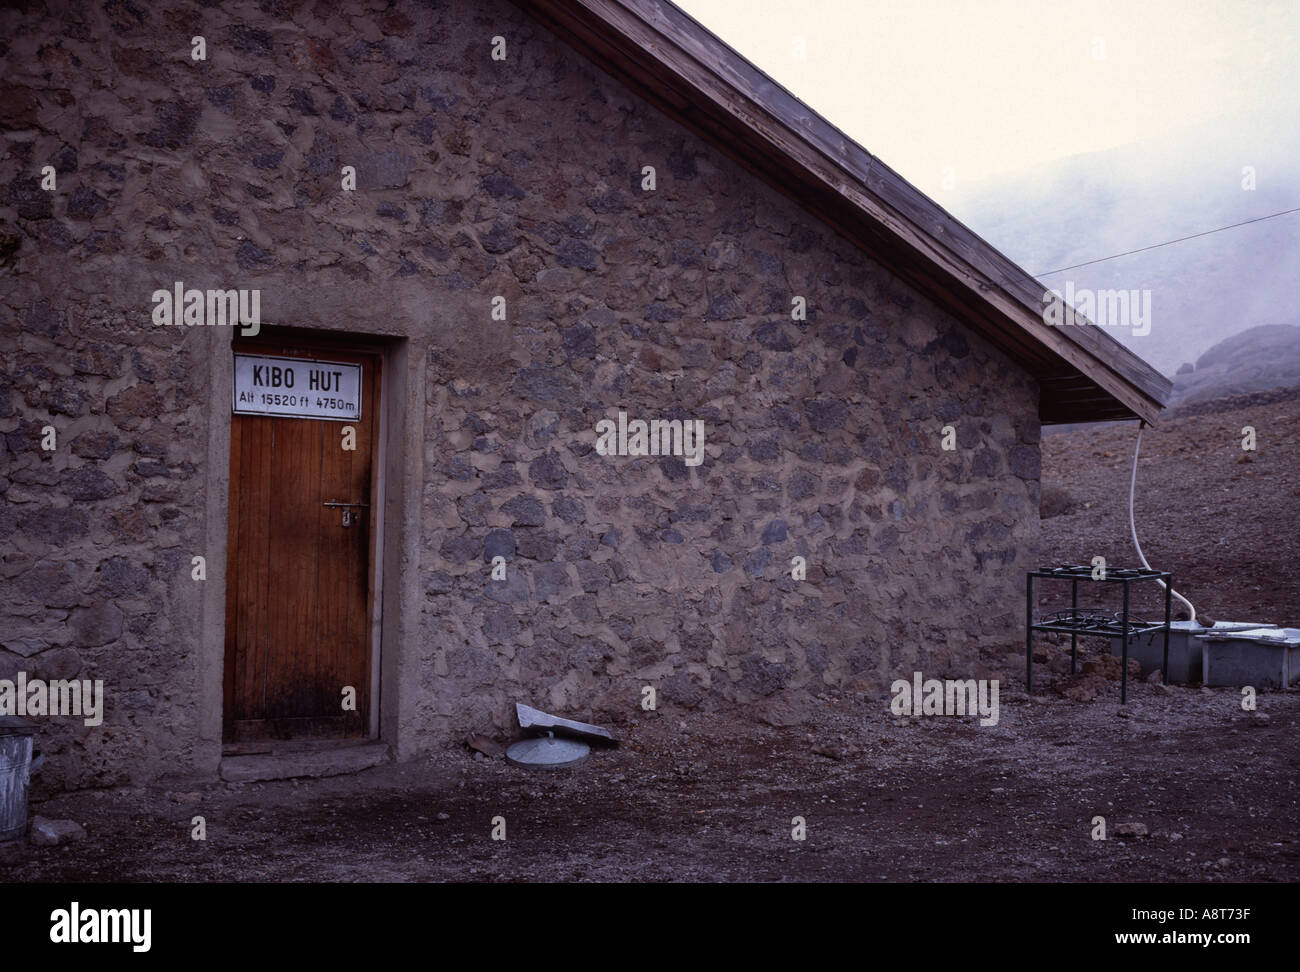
1132	488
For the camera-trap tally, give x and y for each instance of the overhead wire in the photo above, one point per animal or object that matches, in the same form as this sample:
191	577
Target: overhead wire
1181	239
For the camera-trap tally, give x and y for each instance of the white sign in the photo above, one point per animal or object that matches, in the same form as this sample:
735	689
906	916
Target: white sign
297	388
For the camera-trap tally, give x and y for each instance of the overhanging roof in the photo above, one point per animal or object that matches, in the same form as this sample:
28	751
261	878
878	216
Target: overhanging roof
692	76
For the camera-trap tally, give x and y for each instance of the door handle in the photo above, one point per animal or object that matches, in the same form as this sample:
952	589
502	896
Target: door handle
347	510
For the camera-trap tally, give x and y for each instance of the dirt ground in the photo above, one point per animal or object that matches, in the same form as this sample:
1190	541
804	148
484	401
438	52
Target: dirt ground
712	799
712	796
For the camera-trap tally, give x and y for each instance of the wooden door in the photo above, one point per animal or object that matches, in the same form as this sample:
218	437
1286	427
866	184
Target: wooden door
298	603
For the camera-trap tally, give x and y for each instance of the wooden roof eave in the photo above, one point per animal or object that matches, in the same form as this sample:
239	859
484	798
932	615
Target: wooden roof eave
695	78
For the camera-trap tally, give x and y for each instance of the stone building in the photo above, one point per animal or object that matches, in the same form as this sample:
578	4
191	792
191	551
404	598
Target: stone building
474	231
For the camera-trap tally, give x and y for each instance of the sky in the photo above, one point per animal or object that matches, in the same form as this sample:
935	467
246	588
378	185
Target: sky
949	92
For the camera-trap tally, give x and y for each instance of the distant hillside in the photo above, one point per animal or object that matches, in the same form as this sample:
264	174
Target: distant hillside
1257	359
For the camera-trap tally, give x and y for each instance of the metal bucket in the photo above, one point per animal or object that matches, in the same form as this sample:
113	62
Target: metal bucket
15	773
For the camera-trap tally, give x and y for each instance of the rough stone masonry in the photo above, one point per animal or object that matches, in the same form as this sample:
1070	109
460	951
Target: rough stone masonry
520	178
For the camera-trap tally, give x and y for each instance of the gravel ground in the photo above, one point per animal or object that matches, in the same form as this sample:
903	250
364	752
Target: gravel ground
713	798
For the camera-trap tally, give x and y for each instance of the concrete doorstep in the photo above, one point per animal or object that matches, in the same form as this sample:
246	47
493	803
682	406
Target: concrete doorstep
305	763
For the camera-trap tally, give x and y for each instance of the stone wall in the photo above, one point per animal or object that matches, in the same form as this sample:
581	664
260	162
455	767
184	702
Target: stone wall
475	178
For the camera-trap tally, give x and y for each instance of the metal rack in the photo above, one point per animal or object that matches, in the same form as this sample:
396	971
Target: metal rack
1075	622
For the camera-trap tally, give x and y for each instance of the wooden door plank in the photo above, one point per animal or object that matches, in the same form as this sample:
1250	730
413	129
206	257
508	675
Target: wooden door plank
295	477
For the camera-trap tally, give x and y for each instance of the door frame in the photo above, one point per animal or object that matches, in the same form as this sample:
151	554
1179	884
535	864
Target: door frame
324	342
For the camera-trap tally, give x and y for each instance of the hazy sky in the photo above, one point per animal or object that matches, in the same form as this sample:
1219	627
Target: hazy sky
971	89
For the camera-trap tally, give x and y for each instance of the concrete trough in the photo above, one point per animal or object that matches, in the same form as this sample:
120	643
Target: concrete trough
1185	661
1266	657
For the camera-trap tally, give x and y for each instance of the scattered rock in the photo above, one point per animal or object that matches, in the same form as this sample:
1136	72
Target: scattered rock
1110	667
831	750
483	744
50	833
1085	687
1131	829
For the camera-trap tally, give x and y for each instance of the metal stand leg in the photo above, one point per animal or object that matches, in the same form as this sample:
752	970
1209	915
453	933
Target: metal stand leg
1074	638
1029	633
1169	588
1123	675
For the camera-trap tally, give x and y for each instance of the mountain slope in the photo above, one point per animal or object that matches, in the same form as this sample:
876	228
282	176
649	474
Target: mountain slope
1095	205
1257	359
